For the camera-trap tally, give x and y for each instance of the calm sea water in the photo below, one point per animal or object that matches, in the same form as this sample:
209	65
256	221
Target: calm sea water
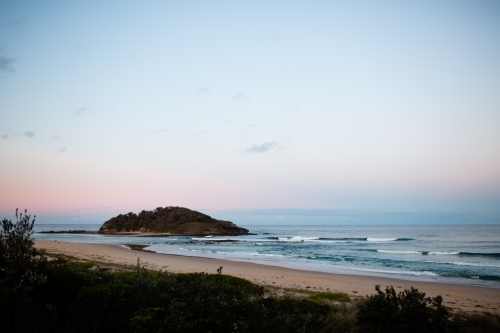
467	254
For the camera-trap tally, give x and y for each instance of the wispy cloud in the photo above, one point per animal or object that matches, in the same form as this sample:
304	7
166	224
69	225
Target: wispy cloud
262	148
17	25
15	134
82	110
203	90
277	39
56	137
198	133
62	150
8	134
6	64
240	97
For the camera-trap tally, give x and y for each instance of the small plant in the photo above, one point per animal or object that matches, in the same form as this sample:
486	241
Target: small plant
20	262
336	297
407	311
219	270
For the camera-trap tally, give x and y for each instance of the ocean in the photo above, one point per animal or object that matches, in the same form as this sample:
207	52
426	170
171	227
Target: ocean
464	254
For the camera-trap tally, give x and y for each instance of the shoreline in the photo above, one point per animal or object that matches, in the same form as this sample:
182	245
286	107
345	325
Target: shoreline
457	296
334	271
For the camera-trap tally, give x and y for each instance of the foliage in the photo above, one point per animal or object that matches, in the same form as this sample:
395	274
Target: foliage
476	322
37	295
343	318
20	262
80	297
407	311
336	297
170	219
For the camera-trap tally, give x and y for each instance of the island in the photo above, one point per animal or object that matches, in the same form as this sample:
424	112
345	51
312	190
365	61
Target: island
169	221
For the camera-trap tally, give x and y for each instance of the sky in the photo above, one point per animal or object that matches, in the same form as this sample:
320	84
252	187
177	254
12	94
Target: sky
108	107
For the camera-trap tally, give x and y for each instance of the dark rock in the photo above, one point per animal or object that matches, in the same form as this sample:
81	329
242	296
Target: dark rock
170	220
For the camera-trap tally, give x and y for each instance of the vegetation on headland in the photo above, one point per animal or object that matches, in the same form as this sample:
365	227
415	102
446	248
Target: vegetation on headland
173	220
72	296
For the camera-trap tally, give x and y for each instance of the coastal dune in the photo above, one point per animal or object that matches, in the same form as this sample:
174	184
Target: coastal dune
465	297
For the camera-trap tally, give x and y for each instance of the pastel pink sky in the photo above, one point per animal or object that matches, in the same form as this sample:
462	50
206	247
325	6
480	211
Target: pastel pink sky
123	106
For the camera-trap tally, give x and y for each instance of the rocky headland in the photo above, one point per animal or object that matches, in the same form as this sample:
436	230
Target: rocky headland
169	221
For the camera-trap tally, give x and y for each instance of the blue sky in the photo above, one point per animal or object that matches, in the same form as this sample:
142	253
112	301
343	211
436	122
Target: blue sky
122	106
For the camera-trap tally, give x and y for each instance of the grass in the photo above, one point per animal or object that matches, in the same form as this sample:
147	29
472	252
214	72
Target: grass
114	297
335	297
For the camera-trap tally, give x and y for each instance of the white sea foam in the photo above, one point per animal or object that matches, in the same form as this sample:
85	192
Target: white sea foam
211	239
182	248
253	254
399	252
421	273
374	239
317	240
466	263
297	239
442	253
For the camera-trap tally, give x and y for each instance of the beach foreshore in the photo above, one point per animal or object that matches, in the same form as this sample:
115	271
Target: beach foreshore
456	296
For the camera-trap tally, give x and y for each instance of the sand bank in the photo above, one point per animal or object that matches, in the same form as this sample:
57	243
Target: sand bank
468	298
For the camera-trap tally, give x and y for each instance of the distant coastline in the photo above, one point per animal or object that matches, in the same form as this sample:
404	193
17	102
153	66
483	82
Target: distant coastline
130	233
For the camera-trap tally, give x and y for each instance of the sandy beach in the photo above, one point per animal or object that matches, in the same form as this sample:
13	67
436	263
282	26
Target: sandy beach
465	297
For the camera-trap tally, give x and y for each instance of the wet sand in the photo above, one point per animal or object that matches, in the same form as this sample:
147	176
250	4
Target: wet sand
465	297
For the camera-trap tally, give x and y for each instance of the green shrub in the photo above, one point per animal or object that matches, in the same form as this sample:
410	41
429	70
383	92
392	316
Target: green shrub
80	297
290	315
20	262
407	311
336	297
476	322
